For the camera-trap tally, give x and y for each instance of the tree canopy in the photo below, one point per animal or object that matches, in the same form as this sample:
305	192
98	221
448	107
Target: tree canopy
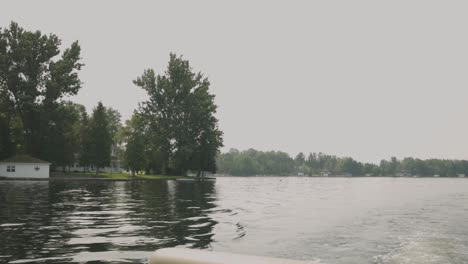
173	132
180	114
100	138
136	159
34	77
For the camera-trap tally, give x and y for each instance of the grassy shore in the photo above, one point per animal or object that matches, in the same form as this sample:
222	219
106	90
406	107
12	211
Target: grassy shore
125	176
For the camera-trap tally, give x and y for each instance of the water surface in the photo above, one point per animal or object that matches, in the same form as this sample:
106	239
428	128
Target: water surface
324	220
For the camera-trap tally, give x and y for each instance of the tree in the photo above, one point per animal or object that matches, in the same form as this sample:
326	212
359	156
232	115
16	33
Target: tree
99	138
348	165
85	141
253	162
33	80
300	159
6	142
114	120
205	132
6	120
180	114
135	153
134	136
63	140
204	158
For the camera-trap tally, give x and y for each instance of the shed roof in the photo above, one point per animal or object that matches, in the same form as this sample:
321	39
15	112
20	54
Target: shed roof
23	159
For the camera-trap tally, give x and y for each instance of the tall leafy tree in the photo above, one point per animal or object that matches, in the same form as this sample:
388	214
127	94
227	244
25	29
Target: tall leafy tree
181	112
34	77
299	159
99	140
63	140
85	140
6	120
6	144
114	120
136	149
135	159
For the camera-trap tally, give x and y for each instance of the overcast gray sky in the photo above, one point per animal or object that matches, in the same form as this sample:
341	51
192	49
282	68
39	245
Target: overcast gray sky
367	79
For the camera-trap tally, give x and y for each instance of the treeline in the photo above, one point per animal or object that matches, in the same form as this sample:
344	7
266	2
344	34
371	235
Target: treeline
253	162
173	132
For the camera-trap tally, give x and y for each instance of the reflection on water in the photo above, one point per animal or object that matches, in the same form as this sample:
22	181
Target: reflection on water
330	220
114	221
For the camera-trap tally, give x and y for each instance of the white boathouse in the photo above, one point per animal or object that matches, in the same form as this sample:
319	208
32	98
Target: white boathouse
24	166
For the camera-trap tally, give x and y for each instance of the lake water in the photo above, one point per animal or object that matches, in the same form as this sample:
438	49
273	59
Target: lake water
323	220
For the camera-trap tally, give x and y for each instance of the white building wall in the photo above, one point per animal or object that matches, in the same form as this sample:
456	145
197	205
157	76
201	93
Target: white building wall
25	170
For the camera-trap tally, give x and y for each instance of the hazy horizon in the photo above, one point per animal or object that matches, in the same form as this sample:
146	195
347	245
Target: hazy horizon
364	79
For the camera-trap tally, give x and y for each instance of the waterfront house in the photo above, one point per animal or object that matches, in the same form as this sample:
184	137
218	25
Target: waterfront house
24	166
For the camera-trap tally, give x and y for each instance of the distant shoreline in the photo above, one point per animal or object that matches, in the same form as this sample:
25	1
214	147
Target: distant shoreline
181	178
334	176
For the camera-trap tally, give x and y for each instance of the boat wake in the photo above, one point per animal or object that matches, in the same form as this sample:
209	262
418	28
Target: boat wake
427	249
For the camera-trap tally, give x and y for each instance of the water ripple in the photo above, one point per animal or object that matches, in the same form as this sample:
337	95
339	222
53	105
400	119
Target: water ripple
344	220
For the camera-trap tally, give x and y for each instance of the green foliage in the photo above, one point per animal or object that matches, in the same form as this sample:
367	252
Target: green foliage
300	159
84	139
135	151
100	138
6	143
183	130
253	162
63	134
33	81
174	131
114	121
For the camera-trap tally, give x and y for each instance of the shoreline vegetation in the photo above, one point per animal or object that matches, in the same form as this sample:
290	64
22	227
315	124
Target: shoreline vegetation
108	177
128	177
252	162
173	132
